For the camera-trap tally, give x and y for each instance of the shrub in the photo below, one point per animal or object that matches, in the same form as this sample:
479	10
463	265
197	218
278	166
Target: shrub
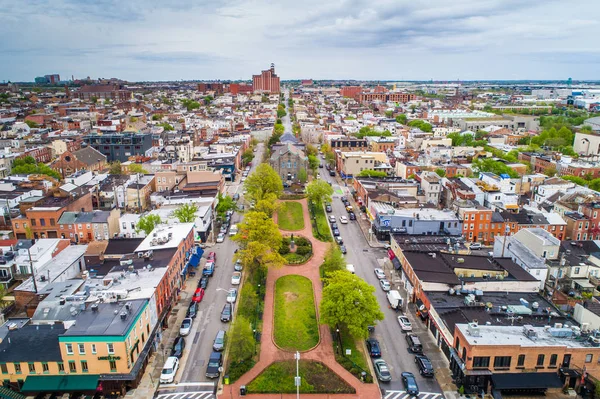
303	250
302	242
284	249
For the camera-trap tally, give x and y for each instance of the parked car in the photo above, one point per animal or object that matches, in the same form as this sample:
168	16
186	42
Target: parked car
209	269
334	226
475	245
221	237
186	327
238	266
343	219
331	172
331	219
328	208
336	232
212	257
404	323
198	295
343	249
410	383
236	278
192	310
382	370
414	343
236	196
373	347
339	240
351	216
203	283
232	295
343	199
223	229
226	313
424	365
321	166
349	208
169	370
219	342
379	273
214	364
178	347
385	285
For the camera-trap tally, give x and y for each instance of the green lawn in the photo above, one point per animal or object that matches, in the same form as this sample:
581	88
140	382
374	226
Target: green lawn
316	378
321	231
356	358
296	325
290	216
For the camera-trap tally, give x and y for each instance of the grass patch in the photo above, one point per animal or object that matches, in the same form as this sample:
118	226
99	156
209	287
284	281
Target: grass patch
356	363
321	228
296	325
290	216
303	250
316	378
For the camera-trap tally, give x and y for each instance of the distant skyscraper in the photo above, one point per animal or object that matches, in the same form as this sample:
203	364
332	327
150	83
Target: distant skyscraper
266	82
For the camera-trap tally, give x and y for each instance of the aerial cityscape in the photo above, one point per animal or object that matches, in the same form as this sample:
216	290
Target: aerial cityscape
282	200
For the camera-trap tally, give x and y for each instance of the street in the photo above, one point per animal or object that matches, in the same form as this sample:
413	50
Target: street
388	332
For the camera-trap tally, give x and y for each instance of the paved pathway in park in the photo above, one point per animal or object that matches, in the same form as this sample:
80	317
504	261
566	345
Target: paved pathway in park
323	352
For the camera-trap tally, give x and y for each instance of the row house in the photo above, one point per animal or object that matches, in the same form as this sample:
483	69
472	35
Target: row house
40	154
85	227
528	217
480	224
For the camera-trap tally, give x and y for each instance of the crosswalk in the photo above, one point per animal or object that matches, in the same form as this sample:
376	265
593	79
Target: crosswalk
405	395
187	395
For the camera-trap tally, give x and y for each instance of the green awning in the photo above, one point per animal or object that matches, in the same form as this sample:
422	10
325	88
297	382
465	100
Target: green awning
6	393
60	383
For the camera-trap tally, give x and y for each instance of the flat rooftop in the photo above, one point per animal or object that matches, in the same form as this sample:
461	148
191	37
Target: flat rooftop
163	236
107	320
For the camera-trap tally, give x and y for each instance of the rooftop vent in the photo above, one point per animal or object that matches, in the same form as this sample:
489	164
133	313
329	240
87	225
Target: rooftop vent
473	329
94	307
123	315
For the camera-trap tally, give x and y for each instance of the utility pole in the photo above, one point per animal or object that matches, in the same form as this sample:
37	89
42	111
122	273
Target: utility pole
297	380
506	230
31	266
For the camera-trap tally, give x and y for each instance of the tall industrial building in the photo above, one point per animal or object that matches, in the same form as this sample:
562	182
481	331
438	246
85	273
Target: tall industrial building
266	82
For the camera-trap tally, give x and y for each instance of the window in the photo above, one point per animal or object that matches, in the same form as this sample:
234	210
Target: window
17	368
540	360
45	368
521	361
61	367
502	362
72	366
124	225
111	348
52	222
577	270
84	366
42	222
69	349
483	362
93	349
113	365
33	223
588	358
81	349
31	368
16	225
4	368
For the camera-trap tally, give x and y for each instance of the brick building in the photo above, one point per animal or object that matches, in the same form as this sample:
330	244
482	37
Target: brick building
103	92
351	92
86	158
266	82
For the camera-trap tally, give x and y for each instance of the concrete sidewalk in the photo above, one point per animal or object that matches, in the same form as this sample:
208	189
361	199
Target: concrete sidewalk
149	383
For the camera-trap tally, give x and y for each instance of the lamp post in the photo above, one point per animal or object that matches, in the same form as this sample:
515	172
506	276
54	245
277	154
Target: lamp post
297	380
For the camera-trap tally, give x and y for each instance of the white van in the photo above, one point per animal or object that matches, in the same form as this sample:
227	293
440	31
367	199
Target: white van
350	268
233	230
169	370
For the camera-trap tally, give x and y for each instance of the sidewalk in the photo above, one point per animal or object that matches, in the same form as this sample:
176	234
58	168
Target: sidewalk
149	383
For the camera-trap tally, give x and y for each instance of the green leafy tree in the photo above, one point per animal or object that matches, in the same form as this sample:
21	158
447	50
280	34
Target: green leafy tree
241	340
247	157
190	105
313	163
440	172
186	213
94	99
424	126
262	181
402	119
372	173
157	117
311	150
148	223
319	191
302	175
264	99
268	205
350	301
137	168
225	204
115	168
167	126
493	166
207	100
333	261
258	227
31	124
28	166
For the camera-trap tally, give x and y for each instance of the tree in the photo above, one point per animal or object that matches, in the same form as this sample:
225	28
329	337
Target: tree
28	166
225	204
3	301
115	168
424	126
157	117
94	99
241	340
389	113
186	213
31	124
257	254
302	175
207	100
268	205
247	157
350	301
167	126
148	223
190	105
319	191
372	173
401	119
313	163
334	260
264	99
440	172
311	150
258	227
137	168
263	181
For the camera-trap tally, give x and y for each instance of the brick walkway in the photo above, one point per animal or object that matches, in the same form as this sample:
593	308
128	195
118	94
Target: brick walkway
323	352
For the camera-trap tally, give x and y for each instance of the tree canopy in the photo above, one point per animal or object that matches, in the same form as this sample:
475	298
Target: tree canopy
247	157
189	104
186	213
367	131
148	223
28	166
302	175
241	340
137	168
465	140
424	126
372	173
313	162
350	301
259	240
115	168
319	191
401	119
167	126
262	181
225	203
334	260
496	167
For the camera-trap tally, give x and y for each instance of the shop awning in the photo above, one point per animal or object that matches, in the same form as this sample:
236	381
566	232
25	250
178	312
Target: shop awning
6	393
194	260
396	264
526	381
199	252
60	383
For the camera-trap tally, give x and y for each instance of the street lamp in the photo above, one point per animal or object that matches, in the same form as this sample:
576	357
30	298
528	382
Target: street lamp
297	380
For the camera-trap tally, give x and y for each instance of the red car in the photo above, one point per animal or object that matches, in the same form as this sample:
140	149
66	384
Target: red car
198	295
211	257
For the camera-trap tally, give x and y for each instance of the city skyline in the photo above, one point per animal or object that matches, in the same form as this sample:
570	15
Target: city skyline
354	39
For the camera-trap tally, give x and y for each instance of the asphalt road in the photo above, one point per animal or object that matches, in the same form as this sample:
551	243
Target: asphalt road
364	258
286	120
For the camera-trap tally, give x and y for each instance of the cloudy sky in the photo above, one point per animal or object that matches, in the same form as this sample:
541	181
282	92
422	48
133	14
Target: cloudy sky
332	39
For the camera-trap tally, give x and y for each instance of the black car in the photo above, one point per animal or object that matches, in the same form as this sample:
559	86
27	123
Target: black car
226	313
331	172
351	216
343	249
410	383
320	165
214	364
336	232
373	347
178	347
203	282
344	199
424	365
328	208
334	226
414	344
192	310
